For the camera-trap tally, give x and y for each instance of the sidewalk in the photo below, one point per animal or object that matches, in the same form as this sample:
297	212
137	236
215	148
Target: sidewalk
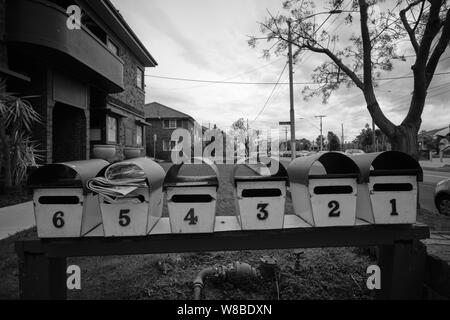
15	219
435	164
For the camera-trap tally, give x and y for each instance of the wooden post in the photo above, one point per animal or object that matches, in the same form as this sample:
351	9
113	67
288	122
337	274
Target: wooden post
41	277
402	268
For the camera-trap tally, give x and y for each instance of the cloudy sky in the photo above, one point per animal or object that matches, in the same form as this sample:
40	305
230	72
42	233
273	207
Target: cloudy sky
207	40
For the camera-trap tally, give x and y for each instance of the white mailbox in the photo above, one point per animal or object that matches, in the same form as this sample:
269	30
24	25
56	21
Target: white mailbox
389	188
63	206
324	189
260	195
139	211
192	200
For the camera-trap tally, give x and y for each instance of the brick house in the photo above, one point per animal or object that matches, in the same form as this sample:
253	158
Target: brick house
86	83
163	121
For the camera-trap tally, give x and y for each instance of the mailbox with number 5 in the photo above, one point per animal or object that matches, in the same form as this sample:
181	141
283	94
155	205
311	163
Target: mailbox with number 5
63	206
192	199
138	213
388	192
261	195
324	189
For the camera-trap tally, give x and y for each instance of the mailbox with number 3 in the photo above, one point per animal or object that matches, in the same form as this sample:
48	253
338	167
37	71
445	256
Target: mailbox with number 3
260	194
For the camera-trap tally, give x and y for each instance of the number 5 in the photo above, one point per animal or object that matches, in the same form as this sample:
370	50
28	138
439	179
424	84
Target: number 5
124	219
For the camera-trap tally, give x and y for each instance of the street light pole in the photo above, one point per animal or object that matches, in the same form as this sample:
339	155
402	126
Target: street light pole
321	131
291	94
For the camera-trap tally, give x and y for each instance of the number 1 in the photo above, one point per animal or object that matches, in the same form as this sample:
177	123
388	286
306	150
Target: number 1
394	207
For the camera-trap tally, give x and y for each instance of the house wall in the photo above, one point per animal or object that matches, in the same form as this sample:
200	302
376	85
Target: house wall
3	54
162	134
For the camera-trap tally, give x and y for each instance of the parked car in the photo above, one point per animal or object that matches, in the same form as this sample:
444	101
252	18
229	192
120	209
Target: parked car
302	153
354	152
442	197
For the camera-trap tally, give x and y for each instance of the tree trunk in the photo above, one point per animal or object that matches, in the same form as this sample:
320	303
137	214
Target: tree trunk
405	139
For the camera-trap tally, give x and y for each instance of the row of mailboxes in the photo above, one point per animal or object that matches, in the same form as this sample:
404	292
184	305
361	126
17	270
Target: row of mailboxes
327	189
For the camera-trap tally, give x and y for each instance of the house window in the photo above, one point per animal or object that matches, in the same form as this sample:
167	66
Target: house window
111	128
140	78
113	47
139	134
170	124
169	145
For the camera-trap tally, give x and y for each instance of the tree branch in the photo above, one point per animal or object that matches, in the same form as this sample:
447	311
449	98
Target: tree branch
411	32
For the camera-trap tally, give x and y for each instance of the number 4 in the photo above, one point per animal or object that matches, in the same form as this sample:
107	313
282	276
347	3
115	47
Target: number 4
193	220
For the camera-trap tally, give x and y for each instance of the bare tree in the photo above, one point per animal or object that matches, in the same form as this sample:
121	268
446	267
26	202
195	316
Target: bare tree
426	23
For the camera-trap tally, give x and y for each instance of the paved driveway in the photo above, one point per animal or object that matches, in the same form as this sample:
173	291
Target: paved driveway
15	219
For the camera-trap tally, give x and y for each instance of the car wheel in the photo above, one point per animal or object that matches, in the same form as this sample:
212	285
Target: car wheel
443	205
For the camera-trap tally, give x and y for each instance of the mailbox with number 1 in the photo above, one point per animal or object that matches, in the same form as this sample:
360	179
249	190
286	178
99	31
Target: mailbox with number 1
63	206
388	192
324	189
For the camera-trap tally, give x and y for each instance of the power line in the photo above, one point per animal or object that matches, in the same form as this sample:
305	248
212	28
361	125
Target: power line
273	83
271	94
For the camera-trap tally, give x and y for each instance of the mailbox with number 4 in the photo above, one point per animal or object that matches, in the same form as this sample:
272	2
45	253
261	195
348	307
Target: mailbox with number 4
260	195
388	192
324	189
138	213
192	199
63	206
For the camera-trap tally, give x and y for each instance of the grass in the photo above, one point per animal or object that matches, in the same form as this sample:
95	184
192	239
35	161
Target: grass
330	273
14	196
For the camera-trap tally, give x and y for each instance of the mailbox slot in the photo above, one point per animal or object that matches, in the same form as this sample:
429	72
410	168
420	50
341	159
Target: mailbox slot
137	213
260	195
327	199
388	191
63	206
192	199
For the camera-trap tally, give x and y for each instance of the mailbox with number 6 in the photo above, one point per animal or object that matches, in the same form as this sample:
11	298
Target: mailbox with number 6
63	206
192	199
261	197
388	192
324	189
138	212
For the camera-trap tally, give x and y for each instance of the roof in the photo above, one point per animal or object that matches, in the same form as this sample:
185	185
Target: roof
156	110
432	132
112	17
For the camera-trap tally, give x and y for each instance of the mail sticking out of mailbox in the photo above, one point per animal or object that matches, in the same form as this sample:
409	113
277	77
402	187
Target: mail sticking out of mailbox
118	182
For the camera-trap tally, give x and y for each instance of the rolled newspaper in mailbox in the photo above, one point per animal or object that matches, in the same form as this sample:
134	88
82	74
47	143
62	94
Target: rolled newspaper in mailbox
63	205
261	196
388	191
325	199
131	196
192	200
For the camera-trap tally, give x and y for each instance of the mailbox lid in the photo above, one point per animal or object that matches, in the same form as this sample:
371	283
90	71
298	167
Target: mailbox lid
174	179
66	174
336	165
277	173
388	163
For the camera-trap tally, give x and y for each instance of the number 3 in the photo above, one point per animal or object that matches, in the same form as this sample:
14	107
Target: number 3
263	213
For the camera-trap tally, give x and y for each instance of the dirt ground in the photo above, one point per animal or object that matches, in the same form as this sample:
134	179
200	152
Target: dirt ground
331	273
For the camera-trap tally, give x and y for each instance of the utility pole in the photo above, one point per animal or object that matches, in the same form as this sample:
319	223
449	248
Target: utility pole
321	131
342	137
285	133
291	93
374	146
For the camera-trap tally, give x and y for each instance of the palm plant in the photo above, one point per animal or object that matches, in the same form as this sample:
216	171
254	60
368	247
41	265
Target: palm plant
17	118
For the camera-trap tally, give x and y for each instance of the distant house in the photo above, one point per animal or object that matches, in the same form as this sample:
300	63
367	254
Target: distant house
87	82
163	121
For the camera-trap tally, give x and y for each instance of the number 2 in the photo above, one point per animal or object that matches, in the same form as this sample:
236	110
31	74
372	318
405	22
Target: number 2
394	207
334	206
